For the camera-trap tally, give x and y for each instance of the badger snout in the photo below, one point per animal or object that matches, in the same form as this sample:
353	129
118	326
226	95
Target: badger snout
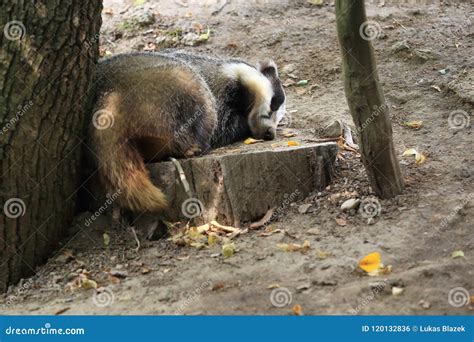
269	134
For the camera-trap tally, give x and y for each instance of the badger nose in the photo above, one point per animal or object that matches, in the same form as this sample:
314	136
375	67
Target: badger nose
269	135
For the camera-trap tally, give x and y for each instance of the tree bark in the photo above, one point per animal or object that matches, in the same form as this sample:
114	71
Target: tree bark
48	50
365	98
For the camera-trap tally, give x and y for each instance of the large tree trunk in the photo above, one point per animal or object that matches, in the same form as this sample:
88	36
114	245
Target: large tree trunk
365	98
48	52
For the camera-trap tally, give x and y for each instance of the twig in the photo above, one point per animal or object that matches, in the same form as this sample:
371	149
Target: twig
136	239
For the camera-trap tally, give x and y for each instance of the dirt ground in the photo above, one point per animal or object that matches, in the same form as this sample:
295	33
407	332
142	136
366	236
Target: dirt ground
425	61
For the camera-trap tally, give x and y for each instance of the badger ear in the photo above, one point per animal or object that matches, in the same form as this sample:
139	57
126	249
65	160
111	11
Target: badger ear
268	68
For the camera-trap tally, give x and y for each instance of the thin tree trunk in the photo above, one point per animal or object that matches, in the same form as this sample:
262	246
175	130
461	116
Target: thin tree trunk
365	98
48	50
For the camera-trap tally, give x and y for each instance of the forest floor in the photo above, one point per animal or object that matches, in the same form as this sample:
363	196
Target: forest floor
425	62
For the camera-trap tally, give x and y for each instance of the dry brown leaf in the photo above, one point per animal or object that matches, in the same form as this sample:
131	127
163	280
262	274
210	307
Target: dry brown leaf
341	221
297	310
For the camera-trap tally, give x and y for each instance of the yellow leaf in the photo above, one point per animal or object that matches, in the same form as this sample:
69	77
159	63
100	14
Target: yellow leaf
322	254
420	158
413	124
228	249
250	141
457	254
88	284
410	152
205	36
371	262
106	239
203	228
212	240
289	247
289	134
293	143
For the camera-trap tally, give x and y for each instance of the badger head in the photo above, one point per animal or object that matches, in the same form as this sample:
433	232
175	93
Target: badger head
269	102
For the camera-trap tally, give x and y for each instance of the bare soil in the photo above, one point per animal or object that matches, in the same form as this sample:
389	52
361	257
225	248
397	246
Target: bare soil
425	62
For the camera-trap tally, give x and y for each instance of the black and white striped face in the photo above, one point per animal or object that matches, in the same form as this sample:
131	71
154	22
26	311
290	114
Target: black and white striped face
268	96
269	105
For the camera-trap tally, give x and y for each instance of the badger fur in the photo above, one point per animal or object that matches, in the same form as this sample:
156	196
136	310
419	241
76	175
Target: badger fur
153	106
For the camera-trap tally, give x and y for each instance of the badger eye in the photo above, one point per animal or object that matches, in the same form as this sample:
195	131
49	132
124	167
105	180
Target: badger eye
276	103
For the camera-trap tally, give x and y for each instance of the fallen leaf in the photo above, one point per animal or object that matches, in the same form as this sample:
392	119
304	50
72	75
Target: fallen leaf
371	263
420	158
293	143
114	280
106	239
297	310
228	249
289	134
322	254
294	247
341	221
108	11
271	232
218	286
212	240
457	254
250	141
397	290
273	286
205	36
436	88
88	284
145	270
413	124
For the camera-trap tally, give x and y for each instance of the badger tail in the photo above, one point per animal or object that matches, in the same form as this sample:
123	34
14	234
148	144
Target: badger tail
123	173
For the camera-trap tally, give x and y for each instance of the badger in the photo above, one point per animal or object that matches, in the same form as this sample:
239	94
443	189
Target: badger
153	106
